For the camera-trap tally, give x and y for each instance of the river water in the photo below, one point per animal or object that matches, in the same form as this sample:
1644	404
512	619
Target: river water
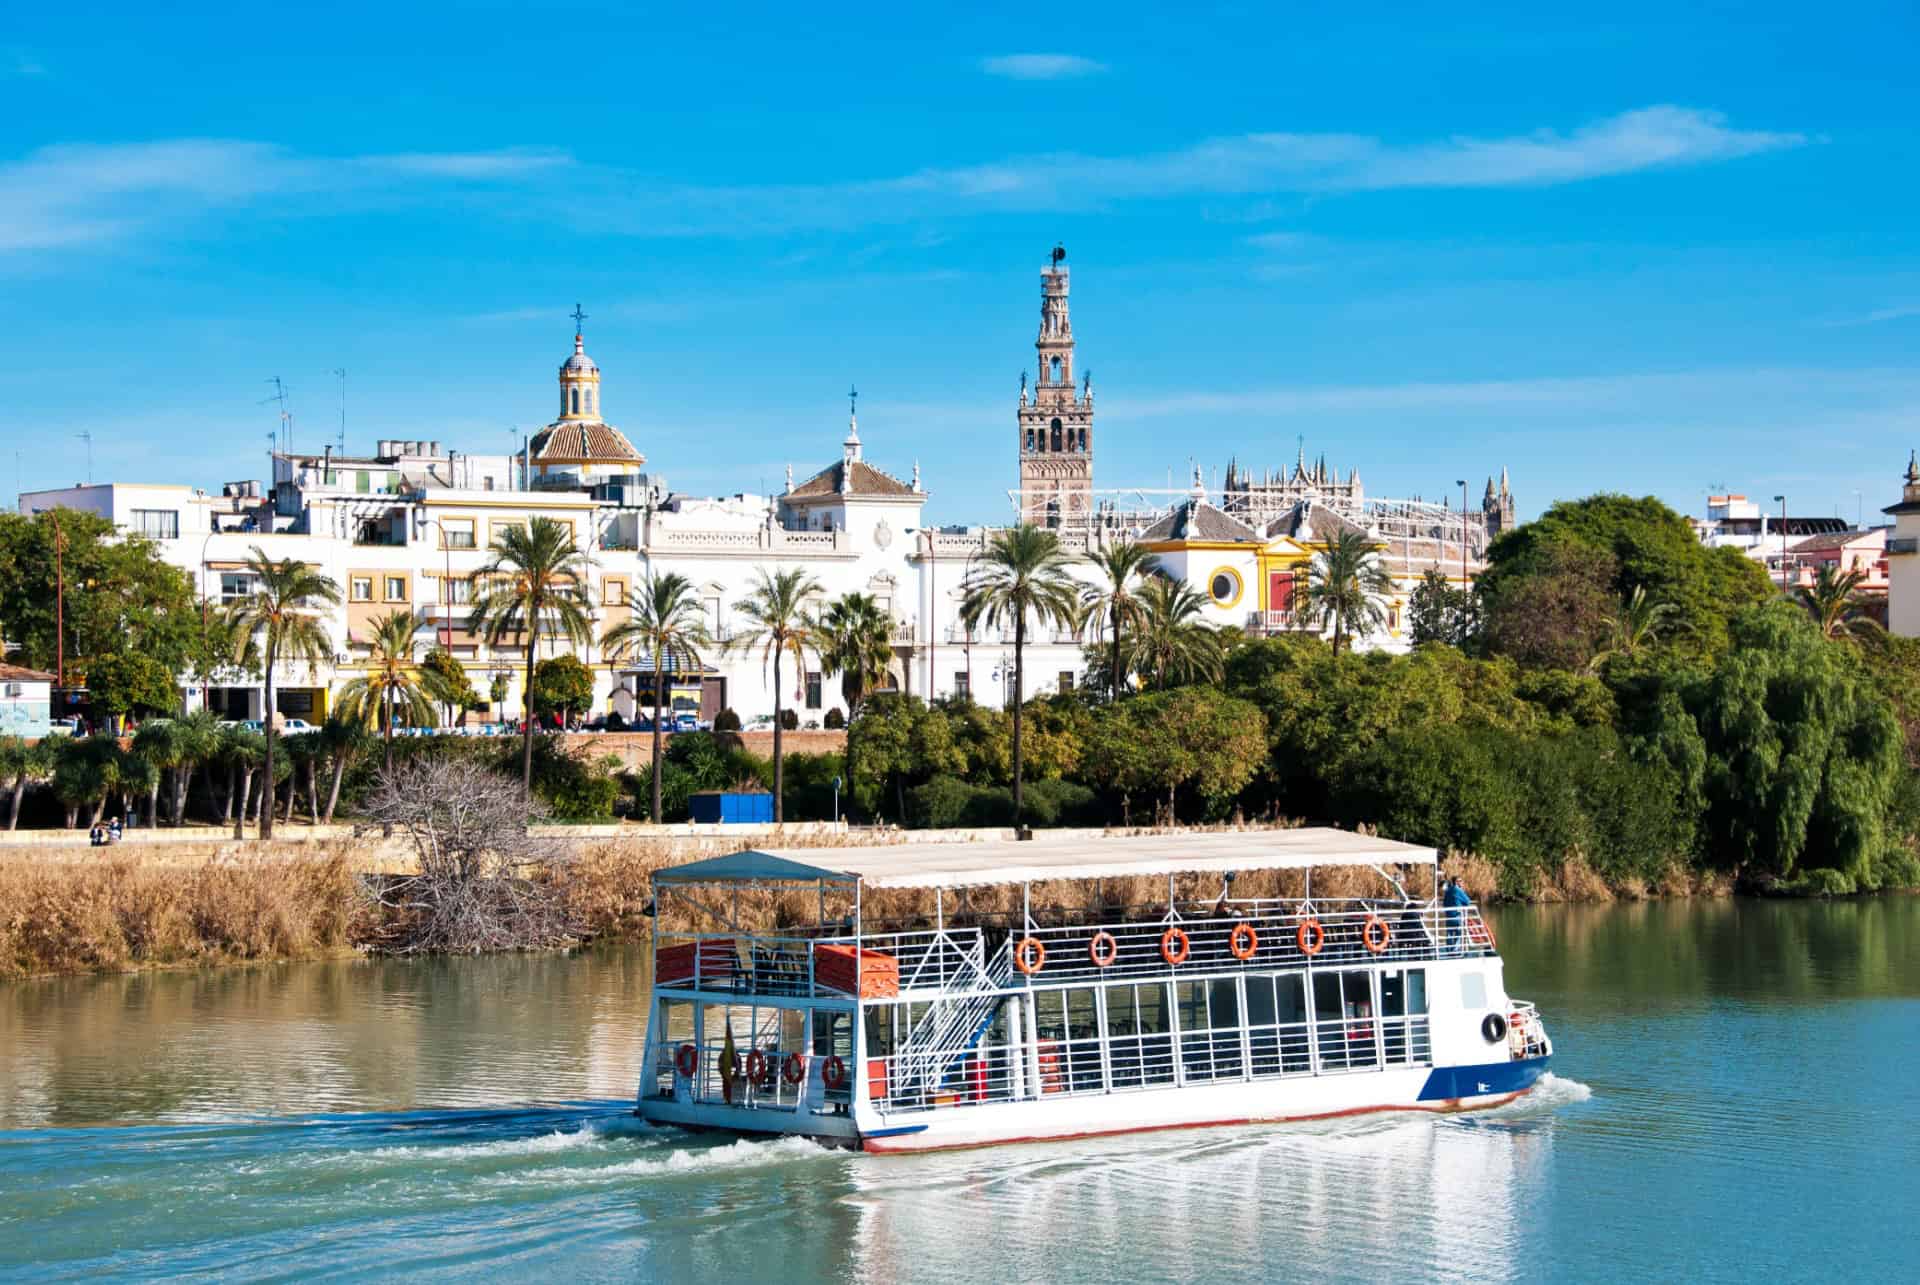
1733	1096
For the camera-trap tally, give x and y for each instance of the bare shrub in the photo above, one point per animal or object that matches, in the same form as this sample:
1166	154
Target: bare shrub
483	883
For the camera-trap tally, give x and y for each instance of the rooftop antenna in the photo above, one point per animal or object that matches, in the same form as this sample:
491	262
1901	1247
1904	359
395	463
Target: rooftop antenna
342	372
286	419
87	437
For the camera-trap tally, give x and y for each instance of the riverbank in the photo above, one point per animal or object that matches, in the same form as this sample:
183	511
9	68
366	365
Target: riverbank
200	900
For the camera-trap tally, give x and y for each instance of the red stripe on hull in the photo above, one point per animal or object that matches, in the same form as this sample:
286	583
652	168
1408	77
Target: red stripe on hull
878	1146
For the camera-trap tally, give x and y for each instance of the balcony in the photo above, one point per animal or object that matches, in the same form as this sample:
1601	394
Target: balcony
1262	624
1904	545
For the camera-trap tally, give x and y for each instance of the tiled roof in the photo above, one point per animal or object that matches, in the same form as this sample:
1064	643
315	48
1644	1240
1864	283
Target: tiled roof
1836	540
21	674
867	480
1311	524
1198	520
588	441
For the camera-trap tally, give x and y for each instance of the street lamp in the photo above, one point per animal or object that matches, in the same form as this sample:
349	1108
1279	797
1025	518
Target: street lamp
1781	500
1462	484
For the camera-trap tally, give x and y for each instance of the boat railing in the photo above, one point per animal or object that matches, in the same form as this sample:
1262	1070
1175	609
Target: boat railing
934	961
1526	1036
1084	1063
774	1088
1261	936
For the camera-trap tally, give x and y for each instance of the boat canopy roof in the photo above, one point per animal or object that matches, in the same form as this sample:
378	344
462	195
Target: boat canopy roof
1077	856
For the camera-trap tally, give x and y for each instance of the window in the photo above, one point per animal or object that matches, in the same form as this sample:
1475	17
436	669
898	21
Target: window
235	584
614	592
1065	683
457	533
502	525
396	588
1473	992
576	401
157	524
590	401
813	689
486	483
362	589
459	591
1223	586
962	683
362	483
1056	435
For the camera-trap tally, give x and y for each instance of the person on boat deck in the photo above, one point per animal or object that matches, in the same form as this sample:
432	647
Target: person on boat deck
1455	899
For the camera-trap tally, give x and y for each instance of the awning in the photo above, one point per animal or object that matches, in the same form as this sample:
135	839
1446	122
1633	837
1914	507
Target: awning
1071	856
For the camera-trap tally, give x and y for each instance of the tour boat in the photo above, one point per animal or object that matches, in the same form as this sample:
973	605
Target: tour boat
965	1027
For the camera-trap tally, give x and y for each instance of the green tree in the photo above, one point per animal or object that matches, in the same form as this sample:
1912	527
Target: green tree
1555	614
1439	613
130	682
668	625
1803	755
1121	568
198	737
1171	643
391	686
445	682
562	686
121	597
1833	600
855	642
159	741
344	740
779	624
535	579
1637	624
1346	587
282	615
22	764
1023	575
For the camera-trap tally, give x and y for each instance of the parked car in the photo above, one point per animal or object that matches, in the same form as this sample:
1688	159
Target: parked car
64	727
292	725
686	723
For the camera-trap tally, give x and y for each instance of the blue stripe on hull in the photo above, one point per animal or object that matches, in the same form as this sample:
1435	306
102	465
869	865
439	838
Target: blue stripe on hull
1485	1080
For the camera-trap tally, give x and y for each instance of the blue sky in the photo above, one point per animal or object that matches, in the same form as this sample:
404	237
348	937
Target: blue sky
1661	253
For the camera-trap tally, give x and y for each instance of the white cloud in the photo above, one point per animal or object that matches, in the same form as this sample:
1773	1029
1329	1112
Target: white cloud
76	194
1899	312
1041	66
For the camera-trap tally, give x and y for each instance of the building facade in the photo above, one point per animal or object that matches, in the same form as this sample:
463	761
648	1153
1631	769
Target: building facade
407	526
1903	556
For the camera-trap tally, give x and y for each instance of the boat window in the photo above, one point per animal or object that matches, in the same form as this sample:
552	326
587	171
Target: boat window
881	1021
1473	990
1139	1042
1121	1020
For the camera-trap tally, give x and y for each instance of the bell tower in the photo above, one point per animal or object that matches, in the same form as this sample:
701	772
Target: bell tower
1055	442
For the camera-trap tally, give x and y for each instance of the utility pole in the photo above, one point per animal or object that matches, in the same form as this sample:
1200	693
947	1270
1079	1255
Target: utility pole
1781	500
59	605
87	437
342	372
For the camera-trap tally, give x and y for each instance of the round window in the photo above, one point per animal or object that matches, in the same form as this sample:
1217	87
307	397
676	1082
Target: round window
1223	587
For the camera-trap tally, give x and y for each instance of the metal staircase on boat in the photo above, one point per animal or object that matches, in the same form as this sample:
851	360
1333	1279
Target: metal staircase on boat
951	1028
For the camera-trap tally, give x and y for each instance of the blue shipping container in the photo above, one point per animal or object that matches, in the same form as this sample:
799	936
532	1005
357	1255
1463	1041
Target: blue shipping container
727	807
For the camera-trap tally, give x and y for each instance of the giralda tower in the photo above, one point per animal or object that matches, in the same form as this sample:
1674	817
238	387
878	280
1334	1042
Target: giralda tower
1056	421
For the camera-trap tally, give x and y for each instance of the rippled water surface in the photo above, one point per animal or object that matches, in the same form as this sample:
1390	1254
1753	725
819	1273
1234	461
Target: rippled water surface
1733	1097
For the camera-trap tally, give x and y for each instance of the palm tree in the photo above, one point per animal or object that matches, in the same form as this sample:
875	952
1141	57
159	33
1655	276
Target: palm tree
23	763
778	625
1833	601
159	742
1022	575
283	612
1171	643
243	752
1634	627
667	622
344	740
304	752
856	642
534	575
392	685
1120	566
1345	585
199	737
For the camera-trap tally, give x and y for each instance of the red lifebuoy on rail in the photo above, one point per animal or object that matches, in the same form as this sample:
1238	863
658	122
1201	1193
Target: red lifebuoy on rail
794	1069
1243	942
756	1067
834	1073
1103	949
1174	947
1310	937
1375	933
687	1060
1029	956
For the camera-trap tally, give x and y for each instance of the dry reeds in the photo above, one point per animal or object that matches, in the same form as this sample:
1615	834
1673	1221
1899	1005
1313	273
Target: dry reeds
60	918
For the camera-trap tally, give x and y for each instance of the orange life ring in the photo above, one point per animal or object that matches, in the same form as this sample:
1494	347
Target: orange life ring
1174	947
1029	956
1310	937
1103	949
1243	942
687	1060
834	1073
1376	942
794	1069
756	1067
1479	929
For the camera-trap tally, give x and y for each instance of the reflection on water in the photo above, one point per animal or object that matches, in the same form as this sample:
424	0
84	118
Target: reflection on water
1749	1067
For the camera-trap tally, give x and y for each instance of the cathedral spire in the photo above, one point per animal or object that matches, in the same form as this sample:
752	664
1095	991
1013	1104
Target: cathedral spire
1055	420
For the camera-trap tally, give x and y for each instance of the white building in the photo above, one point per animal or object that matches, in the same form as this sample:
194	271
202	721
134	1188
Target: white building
26	702
407	526
1903	557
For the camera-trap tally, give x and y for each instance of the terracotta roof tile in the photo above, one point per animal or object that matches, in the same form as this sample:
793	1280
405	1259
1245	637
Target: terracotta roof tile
582	440
867	480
